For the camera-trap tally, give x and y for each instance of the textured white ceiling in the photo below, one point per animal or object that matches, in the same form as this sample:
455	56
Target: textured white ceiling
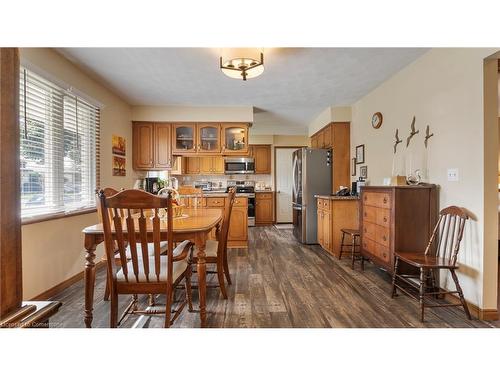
297	84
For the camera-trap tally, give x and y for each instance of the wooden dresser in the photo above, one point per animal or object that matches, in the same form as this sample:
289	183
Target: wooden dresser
396	218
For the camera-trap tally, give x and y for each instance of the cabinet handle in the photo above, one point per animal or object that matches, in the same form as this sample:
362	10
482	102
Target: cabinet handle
385	220
385	200
384	238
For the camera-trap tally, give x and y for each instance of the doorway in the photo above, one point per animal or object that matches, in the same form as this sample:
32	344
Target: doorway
283	182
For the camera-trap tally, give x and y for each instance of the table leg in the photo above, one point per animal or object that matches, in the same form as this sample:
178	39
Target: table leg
90	246
200	242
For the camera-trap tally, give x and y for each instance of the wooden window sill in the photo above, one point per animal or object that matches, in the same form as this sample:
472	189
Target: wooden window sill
39	219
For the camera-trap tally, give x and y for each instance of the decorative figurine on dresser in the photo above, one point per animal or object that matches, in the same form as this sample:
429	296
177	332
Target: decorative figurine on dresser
396	218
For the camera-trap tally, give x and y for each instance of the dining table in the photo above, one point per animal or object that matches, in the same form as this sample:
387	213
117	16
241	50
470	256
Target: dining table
195	224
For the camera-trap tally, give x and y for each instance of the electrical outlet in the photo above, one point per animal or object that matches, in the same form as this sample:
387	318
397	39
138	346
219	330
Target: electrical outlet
453	174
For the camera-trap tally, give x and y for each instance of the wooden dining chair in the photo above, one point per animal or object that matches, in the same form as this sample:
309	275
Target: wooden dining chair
144	273
108	192
440	253
216	250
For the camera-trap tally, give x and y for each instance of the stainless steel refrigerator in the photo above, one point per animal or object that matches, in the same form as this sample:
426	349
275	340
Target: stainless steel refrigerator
312	174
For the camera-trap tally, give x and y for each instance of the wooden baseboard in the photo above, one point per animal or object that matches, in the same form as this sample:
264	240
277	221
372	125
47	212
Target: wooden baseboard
481	314
48	294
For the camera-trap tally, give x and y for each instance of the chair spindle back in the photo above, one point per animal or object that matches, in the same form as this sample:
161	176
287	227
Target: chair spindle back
127	213
448	233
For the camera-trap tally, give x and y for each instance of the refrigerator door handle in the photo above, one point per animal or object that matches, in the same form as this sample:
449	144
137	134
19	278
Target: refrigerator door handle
294	186
297	208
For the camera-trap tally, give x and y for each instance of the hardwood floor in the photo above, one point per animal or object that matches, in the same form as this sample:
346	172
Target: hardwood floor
278	282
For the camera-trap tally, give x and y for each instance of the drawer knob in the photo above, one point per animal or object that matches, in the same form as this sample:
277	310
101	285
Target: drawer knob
384	238
385	220
385	200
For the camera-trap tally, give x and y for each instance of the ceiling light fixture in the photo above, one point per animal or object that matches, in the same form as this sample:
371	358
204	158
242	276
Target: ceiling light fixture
242	63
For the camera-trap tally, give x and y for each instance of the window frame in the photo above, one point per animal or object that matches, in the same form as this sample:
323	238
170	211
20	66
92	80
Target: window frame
66	211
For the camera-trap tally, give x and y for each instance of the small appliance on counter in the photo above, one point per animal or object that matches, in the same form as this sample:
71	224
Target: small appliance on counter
359	184
151	185
246	188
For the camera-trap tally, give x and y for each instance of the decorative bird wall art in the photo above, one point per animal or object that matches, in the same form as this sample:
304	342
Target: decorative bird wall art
397	141
412	133
427	135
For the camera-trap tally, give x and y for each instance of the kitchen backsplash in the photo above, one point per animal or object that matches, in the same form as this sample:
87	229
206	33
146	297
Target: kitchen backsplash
266	179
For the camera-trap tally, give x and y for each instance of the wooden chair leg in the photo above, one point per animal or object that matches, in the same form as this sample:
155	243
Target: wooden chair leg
226	267
353	250
220	277
394	289
113	317
189	295
168	307
421	293
460	294
106	290
341	245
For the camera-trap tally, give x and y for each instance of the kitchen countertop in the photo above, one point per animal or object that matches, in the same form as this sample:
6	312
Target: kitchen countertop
337	198
212	195
264	191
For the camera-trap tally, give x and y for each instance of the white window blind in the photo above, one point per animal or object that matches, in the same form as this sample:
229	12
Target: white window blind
59	148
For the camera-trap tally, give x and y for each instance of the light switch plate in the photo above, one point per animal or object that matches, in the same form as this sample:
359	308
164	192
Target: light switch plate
453	174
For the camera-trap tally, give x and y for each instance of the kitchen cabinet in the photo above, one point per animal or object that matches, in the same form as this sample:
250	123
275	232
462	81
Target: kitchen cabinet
264	208
396	218
151	146
184	138
333	214
234	138
206	165
336	136
238	226
262	156
163	153
192	165
314	141
208	138
142	145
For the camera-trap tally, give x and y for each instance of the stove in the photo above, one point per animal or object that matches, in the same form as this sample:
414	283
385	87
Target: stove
246	188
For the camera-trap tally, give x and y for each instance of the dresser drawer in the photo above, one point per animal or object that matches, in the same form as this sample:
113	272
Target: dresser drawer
370	214
325	204
383	217
240	201
383	252
215	202
382	200
369	246
369	230
382	235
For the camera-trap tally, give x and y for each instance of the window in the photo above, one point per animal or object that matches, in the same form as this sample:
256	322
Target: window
59	148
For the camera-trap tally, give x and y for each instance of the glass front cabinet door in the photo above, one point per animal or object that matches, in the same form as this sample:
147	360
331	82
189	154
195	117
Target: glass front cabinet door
208	138
235	138
183	138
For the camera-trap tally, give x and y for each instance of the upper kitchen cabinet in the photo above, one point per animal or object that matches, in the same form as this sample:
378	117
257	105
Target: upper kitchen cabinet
184	138
234	138
163	153
143	145
151	146
262	158
208	138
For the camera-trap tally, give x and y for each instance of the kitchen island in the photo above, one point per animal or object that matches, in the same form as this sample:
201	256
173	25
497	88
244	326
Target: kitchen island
334	214
238	226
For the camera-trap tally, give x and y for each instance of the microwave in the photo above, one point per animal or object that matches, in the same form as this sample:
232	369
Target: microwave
239	165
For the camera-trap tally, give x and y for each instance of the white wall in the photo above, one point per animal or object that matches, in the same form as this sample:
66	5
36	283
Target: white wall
443	89
328	115
53	250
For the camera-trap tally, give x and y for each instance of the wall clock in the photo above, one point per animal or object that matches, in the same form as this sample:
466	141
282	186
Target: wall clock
377	120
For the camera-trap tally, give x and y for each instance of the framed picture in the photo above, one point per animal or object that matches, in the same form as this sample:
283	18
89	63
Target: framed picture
119	166
360	154
118	145
353	167
363	171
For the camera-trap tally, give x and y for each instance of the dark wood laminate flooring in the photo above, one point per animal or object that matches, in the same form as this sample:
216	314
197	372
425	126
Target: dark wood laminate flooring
278	282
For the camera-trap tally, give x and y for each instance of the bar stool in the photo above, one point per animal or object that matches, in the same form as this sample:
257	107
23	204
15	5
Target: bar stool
354	233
